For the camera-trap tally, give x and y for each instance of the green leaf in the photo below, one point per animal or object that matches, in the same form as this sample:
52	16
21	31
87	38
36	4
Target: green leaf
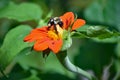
113	39
13	44
97	33
21	12
103	34
78	35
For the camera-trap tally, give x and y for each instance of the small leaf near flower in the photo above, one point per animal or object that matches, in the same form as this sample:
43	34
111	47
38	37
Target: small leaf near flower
66	43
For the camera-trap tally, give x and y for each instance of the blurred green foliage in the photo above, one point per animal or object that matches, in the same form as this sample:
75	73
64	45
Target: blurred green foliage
8	50
21	12
97	49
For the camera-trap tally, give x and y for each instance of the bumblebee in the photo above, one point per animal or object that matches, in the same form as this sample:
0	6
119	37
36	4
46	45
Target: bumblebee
55	21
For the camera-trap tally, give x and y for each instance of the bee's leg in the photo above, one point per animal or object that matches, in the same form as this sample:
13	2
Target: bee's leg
49	27
55	29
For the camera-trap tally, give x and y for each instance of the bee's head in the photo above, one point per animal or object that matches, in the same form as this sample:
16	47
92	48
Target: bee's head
55	21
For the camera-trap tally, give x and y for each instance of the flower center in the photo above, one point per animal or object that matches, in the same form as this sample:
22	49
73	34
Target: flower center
52	33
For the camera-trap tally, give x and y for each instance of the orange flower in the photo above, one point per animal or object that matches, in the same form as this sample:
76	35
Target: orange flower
68	20
45	38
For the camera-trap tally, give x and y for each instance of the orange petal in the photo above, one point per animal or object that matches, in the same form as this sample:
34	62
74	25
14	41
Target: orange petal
67	19
41	45
42	29
36	34
55	46
28	39
34	37
78	23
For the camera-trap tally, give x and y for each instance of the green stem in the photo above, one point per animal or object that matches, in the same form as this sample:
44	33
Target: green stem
63	58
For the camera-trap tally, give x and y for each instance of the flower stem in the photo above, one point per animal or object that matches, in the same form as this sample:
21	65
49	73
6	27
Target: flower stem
63	58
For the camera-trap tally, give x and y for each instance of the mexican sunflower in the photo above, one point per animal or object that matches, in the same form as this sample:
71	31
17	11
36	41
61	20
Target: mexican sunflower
48	39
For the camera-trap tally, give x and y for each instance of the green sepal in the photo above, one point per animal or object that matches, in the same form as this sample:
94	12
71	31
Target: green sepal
67	40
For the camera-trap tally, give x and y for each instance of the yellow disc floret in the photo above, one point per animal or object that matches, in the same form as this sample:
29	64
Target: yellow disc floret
52	33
